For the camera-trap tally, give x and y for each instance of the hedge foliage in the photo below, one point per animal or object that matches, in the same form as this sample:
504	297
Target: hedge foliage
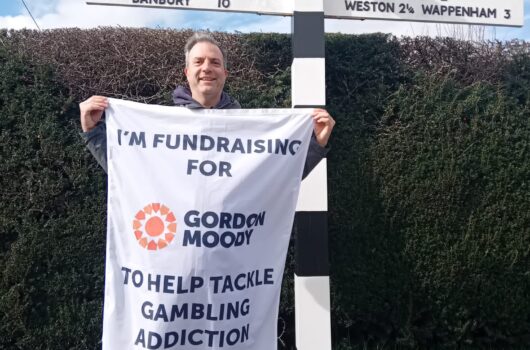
52	243
428	181
463	208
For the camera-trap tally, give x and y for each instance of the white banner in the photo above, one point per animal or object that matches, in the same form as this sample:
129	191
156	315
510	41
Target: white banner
200	210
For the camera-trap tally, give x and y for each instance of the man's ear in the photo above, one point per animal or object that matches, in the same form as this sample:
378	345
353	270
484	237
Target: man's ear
226	73
186	71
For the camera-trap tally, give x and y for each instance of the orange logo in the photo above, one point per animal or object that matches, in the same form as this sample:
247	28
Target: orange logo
154	226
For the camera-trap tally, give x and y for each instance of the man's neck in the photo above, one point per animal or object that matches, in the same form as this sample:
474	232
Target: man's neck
207	101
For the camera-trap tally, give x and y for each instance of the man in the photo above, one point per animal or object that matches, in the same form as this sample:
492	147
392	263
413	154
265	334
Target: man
206	73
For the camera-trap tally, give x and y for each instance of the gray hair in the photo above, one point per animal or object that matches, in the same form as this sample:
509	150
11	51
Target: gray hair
199	38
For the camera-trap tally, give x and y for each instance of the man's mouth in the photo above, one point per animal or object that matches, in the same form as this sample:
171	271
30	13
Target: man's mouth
206	79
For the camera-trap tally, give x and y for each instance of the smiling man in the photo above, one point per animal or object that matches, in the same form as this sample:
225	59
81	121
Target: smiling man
206	73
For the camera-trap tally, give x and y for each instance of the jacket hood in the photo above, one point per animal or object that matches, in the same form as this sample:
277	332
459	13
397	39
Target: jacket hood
182	97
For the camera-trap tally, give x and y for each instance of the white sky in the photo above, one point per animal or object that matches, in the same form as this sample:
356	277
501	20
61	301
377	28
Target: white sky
75	13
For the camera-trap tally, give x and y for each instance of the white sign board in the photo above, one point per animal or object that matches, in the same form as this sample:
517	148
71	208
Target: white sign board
269	7
486	12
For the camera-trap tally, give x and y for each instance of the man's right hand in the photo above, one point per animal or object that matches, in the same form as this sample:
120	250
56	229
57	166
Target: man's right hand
91	111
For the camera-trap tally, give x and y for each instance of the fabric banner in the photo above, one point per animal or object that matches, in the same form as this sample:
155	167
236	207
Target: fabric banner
200	209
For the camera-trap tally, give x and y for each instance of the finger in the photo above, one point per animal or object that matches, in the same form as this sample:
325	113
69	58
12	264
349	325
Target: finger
92	104
325	116
97	108
316	117
101	104
322	120
98	99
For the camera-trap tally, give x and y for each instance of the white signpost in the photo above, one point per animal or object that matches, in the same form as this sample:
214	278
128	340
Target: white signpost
268	7
485	12
312	301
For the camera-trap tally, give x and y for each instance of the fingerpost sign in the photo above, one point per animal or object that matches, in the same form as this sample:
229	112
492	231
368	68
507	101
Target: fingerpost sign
312	300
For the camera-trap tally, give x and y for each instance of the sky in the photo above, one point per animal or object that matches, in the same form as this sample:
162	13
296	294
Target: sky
75	13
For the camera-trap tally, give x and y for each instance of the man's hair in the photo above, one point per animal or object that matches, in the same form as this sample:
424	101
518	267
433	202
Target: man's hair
199	38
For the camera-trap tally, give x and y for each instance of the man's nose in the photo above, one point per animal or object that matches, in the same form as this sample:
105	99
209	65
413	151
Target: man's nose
206	65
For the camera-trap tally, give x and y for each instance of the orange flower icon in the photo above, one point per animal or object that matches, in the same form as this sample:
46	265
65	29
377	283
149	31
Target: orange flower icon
154	226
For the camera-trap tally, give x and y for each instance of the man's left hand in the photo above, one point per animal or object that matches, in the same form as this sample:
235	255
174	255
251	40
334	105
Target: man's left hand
323	124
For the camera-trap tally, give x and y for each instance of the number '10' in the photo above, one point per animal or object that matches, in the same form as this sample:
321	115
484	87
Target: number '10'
223	3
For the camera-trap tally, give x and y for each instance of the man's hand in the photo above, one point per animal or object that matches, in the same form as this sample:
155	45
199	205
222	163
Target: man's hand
323	124
91	111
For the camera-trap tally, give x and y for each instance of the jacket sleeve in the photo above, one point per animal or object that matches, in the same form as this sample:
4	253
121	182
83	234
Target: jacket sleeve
315	153
96	142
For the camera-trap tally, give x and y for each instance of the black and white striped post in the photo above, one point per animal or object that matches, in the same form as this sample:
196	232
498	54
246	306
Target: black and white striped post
311	279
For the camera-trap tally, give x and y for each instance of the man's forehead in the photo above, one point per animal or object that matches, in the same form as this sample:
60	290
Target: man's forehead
205	49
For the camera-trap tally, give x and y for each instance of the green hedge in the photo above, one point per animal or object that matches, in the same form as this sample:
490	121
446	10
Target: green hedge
428	181
52	246
453	162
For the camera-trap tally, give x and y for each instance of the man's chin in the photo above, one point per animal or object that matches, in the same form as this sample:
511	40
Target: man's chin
209	85
210	90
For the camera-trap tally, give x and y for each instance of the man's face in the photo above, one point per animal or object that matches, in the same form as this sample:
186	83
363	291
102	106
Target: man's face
205	72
